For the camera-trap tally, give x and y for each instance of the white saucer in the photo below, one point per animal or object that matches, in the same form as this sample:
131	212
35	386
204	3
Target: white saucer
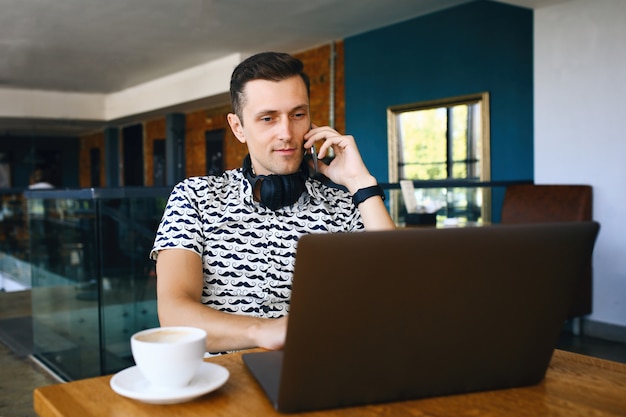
131	383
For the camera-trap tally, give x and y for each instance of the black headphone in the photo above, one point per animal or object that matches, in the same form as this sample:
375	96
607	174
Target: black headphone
277	191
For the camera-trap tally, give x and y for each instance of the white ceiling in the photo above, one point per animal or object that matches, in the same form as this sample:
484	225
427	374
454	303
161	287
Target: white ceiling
104	46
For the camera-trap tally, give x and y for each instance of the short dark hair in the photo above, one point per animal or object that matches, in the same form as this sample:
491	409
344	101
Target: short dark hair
271	66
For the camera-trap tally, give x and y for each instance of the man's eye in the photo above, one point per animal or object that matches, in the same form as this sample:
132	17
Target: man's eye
266	119
299	115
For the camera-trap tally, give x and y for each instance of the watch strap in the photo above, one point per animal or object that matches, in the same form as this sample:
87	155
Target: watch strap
364	193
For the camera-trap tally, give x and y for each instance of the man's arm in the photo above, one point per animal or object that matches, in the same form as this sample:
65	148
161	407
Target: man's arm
349	170
179	290
374	213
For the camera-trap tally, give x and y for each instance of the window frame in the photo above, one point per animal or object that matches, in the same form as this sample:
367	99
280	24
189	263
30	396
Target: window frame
485	157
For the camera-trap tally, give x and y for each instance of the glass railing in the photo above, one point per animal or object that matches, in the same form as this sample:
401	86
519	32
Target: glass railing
14	249
442	203
93	285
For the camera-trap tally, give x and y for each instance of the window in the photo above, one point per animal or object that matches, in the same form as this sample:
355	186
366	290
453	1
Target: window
441	146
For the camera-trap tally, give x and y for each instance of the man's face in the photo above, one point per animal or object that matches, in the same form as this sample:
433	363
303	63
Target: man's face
275	120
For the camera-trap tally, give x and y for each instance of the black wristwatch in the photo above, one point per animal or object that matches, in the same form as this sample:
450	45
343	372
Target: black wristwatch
364	193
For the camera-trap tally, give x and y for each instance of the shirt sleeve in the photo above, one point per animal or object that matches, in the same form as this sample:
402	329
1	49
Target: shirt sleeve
181	224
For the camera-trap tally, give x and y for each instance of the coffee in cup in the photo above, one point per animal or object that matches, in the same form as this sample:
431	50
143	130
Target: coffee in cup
169	357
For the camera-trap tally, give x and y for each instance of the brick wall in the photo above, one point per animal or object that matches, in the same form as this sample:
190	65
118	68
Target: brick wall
201	121
86	144
317	66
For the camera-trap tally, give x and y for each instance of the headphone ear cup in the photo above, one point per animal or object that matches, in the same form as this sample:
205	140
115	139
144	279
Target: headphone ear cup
276	191
293	187
272	192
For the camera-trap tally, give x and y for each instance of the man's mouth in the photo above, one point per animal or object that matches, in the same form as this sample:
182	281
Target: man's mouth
285	151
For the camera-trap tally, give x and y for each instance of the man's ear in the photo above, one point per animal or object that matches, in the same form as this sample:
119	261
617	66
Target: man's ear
236	126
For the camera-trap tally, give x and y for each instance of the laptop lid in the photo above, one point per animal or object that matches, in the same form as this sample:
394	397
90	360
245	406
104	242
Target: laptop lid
396	315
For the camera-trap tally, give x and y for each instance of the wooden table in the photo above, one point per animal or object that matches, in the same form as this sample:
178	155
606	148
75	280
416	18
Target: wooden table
575	385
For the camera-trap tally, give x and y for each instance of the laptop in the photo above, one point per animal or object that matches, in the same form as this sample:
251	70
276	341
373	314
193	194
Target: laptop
381	316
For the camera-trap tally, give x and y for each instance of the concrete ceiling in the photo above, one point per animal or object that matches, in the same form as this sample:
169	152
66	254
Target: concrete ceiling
104	46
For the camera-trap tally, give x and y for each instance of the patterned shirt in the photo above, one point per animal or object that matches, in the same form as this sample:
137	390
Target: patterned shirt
248	251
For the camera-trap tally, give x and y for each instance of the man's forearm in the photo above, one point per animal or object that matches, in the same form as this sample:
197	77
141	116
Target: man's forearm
374	214
225	331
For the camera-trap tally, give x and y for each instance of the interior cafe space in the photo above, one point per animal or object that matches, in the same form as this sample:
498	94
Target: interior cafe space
480	114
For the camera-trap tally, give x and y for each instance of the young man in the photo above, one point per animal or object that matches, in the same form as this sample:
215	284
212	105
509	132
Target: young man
226	245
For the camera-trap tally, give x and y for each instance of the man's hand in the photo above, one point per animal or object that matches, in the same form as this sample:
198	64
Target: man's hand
270	333
347	168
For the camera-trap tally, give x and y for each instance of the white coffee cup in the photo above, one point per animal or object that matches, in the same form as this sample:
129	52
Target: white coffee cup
168	357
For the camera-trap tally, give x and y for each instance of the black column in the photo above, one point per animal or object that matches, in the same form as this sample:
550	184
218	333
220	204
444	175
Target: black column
112	156
175	148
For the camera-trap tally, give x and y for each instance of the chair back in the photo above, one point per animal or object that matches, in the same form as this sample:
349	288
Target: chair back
529	203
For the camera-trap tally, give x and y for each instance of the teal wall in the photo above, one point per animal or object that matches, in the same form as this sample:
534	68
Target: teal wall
475	47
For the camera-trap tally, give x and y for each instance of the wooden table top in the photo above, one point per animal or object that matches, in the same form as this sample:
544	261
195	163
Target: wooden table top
575	385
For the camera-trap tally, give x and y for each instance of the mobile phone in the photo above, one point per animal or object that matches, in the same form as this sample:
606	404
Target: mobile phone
314	156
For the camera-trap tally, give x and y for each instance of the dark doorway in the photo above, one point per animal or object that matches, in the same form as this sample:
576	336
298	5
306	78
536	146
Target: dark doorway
94	156
133	155
49	162
214	152
158	158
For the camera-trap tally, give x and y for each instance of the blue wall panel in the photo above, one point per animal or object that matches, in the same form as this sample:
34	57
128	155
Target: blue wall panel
475	47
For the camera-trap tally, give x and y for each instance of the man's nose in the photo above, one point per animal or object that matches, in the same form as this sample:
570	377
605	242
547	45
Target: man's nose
285	128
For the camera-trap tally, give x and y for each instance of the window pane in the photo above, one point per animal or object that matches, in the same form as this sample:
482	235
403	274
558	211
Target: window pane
422	144
443	141
460	139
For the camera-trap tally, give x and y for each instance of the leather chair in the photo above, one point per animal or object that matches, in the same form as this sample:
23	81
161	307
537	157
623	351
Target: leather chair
529	203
